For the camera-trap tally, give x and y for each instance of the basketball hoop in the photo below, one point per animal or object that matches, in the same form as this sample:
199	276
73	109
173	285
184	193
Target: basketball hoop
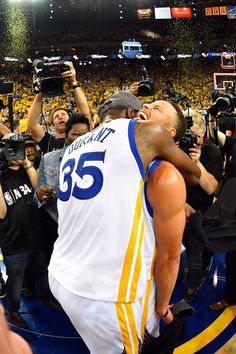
228	61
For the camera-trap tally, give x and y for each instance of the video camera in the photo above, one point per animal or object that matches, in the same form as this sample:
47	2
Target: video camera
48	78
188	141
12	148
146	86
225	103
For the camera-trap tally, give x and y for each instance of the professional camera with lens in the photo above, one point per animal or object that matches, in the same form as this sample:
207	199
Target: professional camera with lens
11	149
225	103
48	78
188	141
146	86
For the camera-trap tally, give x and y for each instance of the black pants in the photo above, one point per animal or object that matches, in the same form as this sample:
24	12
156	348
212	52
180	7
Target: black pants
37	272
215	231
15	268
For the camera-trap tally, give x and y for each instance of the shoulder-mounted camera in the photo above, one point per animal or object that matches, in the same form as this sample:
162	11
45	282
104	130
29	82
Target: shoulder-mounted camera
48	78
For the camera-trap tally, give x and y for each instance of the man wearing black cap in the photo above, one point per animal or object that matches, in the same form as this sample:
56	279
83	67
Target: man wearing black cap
32	152
120	105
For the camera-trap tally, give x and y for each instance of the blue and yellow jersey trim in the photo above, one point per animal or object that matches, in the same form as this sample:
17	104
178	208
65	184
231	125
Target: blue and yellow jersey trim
133	147
132	265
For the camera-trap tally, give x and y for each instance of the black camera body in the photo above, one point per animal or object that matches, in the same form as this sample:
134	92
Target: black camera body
225	103
146	86
48	78
188	141
11	149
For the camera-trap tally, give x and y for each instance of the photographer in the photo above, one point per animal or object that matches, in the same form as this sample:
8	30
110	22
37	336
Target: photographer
227	144
216	232
19	226
46	141
208	158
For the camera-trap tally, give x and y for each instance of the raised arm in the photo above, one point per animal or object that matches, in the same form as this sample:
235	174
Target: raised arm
35	128
4	130
166	193
80	98
31	171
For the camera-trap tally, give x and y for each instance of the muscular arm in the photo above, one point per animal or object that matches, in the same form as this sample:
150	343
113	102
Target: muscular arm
154	140
35	128
166	193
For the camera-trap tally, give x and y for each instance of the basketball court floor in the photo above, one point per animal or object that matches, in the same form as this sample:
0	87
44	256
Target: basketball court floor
50	331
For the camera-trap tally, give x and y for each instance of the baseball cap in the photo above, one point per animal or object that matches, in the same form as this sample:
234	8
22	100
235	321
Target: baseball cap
121	100
29	142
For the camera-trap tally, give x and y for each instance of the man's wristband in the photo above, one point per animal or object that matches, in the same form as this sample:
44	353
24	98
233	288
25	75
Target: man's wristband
74	86
165	314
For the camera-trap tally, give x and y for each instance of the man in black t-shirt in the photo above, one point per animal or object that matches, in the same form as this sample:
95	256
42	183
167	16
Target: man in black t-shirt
227	143
47	142
209	159
18	228
200	198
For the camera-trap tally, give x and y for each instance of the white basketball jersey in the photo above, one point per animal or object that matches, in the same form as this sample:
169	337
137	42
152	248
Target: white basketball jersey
99	251
149	237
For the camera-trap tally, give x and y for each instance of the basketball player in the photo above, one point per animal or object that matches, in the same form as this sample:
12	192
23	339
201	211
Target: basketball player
97	271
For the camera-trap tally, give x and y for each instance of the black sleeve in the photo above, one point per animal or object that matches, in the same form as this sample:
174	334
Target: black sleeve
229	142
213	161
47	143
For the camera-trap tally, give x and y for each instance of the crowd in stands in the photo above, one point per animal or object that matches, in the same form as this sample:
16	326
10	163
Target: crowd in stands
64	118
193	82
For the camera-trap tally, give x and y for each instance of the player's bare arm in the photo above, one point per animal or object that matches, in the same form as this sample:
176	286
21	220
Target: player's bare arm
167	193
